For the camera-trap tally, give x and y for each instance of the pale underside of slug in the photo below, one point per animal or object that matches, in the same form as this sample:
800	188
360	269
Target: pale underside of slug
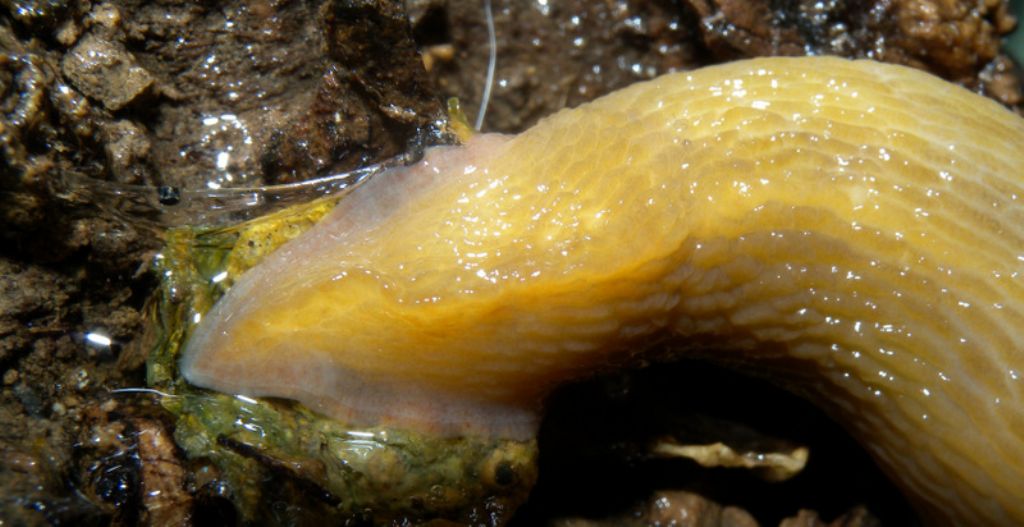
855	227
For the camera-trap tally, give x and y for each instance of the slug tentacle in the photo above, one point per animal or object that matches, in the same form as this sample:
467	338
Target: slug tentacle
854	227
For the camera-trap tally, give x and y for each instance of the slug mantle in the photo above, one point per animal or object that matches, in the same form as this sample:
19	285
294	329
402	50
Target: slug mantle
853	227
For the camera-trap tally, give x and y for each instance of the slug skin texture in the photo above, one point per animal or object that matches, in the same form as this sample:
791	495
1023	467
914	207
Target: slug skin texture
853	228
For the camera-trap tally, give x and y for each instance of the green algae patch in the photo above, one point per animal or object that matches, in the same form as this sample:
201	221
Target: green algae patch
281	463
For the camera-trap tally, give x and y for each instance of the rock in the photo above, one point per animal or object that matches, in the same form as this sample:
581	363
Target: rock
105	71
127	148
676	508
856	517
164	499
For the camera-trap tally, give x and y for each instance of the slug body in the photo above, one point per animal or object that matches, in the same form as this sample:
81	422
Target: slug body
852	227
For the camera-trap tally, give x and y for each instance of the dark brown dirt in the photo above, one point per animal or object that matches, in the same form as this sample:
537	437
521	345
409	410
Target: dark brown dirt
557	54
240	93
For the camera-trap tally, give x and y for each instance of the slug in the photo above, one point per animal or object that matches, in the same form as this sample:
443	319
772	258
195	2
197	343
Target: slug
853	229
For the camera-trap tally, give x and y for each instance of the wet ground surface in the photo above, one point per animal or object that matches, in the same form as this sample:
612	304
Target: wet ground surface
214	95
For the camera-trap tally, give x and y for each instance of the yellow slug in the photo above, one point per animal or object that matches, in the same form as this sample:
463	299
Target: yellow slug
854	228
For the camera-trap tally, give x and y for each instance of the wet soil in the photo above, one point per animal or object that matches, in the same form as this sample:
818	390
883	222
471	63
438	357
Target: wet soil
219	94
